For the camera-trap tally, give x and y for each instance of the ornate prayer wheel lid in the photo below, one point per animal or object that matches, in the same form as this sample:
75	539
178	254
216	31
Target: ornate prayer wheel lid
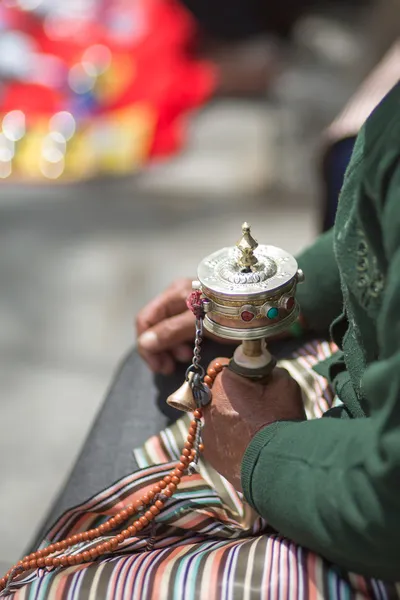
247	269
249	289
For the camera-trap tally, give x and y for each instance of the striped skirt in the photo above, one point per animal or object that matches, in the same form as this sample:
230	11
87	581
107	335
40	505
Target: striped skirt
206	544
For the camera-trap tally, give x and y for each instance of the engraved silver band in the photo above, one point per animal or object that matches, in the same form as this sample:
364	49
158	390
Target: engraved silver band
254	333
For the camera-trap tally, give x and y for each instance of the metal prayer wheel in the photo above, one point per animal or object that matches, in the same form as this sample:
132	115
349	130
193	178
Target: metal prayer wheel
248	293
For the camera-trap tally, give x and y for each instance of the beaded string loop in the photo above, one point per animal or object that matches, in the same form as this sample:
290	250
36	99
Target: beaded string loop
151	503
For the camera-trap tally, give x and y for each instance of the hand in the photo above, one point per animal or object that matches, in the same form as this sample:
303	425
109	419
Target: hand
166	328
239	409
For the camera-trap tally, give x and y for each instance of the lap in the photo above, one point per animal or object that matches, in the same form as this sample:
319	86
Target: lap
133	410
206	544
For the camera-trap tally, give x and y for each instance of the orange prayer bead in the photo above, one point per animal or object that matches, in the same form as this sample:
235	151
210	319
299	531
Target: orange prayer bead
211	372
208	380
167	486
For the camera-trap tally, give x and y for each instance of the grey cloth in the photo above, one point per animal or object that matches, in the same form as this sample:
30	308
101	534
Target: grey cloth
133	410
128	417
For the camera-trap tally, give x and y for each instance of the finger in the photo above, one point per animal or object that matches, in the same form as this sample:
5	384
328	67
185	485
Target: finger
221	361
183	353
162	363
168	334
169	303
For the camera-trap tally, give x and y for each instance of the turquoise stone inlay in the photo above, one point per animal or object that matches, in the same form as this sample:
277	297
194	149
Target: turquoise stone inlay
272	313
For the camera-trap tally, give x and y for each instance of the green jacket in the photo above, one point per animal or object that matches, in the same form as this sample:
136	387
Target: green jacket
333	484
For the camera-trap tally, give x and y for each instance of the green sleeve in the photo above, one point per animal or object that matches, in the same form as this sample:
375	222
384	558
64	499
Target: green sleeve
334	485
320	295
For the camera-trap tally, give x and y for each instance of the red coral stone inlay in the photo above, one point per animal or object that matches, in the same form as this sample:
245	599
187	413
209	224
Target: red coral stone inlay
247	316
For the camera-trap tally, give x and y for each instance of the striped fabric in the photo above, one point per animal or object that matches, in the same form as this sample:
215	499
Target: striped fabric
207	544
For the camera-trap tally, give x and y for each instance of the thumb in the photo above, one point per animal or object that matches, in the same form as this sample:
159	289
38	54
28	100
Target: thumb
169	333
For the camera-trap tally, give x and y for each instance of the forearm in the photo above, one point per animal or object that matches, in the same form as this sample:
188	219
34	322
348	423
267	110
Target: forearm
320	295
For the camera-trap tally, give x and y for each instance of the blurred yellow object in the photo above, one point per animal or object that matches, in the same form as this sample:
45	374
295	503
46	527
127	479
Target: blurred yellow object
127	136
116	79
80	160
28	151
116	143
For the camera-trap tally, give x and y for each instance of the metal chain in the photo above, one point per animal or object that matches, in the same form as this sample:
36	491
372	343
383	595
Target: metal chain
196	367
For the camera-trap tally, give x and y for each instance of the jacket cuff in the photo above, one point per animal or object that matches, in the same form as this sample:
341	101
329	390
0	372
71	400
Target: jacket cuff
251	456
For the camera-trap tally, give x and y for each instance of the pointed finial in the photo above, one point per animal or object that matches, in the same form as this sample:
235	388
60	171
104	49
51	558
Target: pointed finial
247	244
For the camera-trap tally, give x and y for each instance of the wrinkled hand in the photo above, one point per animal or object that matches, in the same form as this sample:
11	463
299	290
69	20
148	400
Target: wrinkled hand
239	409
166	328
